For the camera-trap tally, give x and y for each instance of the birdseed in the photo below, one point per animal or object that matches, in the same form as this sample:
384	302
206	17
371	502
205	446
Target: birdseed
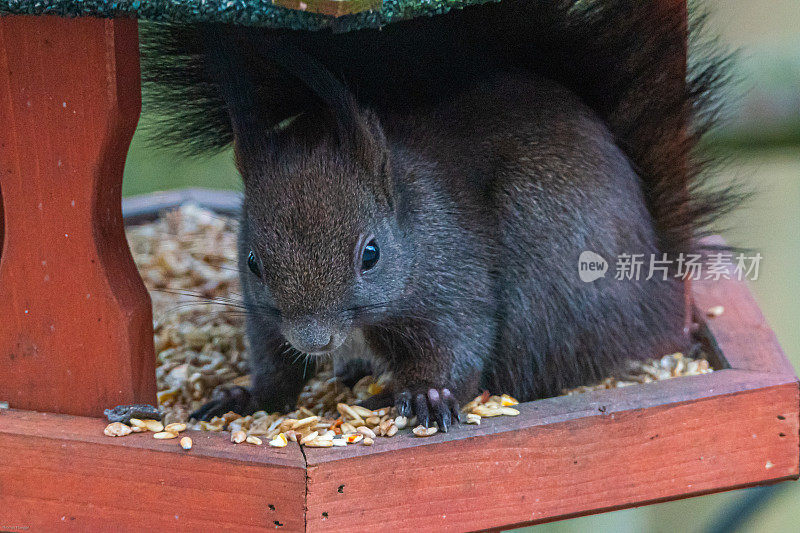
153	425
422	431
117	429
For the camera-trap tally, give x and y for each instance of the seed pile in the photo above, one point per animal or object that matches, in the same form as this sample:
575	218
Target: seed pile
160	431
353	424
669	366
187	258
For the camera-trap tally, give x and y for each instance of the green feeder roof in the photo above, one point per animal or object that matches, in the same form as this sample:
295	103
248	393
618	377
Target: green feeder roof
339	15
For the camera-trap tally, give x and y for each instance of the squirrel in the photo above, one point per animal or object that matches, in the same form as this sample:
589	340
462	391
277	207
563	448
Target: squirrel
431	187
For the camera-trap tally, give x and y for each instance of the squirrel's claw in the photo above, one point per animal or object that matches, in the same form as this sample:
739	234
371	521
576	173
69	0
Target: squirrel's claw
431	406
236	399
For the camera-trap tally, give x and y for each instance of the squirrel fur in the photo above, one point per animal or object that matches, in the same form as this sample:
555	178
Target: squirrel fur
480	152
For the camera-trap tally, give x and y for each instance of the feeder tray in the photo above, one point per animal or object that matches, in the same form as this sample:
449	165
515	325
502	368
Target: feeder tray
76	336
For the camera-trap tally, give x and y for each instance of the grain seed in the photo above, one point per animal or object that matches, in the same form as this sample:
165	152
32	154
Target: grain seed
279	441
472	418
363	412
346	410
308	438
319	443
487	410
507	401
153	425
136	423
384	426
422	431
304	422
186	443
364	430
117	429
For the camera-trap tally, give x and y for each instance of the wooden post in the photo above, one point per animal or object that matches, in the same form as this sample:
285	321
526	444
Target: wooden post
75	319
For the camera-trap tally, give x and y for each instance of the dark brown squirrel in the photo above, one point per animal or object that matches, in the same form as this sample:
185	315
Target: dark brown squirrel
439	202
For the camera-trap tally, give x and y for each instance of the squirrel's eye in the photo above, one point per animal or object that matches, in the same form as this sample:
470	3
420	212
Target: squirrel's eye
370	255
252	264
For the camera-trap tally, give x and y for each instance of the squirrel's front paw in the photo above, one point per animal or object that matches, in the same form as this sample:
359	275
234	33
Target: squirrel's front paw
429	405
236	399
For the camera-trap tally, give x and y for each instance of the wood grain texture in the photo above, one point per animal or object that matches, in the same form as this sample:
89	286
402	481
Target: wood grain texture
76	332
552	462
59	470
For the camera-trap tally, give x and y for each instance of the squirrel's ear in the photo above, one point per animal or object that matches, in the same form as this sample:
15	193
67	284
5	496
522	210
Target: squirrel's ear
371	150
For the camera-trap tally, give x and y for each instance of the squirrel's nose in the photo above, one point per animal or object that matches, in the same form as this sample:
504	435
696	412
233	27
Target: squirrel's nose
311	336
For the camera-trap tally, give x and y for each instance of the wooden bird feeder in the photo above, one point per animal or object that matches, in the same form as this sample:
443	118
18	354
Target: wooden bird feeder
76	337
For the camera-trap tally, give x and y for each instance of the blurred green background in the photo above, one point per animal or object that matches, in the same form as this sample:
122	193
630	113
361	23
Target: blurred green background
762	140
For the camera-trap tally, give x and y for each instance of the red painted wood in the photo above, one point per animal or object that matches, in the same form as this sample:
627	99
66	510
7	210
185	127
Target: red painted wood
61	471
76	327
741	333
557	463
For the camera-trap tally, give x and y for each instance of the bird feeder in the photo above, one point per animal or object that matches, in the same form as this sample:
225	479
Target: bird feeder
76	336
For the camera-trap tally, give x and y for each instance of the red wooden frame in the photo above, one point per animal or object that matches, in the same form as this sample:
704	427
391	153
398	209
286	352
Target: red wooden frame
76	328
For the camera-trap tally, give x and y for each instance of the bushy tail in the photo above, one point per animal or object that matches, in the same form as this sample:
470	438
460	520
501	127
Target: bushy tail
180	96
624	58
